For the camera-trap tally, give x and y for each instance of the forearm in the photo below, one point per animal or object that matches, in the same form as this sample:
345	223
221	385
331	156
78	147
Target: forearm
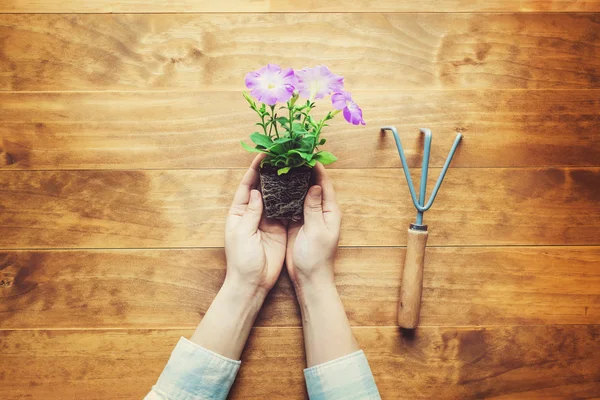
228	321
205	366
327	333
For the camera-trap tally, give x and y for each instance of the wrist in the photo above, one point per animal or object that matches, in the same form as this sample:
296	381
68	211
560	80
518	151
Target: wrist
319	279
315	293
242	293
229	319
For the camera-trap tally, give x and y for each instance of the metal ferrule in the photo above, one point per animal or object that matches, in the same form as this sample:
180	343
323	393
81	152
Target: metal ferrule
417	227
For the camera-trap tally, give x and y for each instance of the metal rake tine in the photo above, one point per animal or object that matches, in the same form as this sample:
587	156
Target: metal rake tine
420	203
436	188
411	187
424	171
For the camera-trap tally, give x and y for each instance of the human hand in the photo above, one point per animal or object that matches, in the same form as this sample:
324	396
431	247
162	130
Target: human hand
254	245
312	243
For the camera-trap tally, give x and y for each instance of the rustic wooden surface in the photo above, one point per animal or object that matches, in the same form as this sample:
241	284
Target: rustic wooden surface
182	129
119	152
373	51
265	6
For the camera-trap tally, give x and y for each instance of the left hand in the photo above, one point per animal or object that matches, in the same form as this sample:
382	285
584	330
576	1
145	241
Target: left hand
254	246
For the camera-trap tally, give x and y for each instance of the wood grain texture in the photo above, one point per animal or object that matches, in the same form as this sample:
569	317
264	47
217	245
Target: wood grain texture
264	6
373	51
182	129
411	288
120	209
174	288
441	363
119	154
433	6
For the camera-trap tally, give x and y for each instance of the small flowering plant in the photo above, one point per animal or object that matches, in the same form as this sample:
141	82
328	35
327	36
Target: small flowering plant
284	100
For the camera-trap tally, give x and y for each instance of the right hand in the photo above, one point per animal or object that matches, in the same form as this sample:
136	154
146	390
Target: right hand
254	245
312	243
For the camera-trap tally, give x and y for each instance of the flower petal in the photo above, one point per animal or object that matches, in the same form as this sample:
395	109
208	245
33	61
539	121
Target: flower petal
353	114
264	95
339	99
271	85
318	82
282	94
252	80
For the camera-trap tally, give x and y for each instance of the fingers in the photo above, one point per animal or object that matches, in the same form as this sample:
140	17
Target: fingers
331	211
313	208
253	213
322	179
249	182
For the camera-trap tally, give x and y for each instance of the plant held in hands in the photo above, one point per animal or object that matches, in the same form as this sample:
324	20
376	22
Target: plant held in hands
290	136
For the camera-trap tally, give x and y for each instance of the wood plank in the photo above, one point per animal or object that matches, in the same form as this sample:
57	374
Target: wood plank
187	208
373	51
182	129
167	288
433	6
239	6
441	363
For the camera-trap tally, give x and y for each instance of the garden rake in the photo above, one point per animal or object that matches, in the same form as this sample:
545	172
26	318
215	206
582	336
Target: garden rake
409	305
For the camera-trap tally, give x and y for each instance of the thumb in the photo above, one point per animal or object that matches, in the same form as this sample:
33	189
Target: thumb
313	207
253	212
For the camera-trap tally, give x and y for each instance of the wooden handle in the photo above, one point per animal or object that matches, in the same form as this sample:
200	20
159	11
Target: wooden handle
412	280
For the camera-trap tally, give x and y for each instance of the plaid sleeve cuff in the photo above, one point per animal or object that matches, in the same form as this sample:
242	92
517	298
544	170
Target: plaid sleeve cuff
193	373
345	378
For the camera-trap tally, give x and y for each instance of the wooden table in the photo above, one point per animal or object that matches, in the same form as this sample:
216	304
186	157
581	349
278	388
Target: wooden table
120	125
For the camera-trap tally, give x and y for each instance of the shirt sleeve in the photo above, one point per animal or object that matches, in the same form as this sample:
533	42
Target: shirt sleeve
345	378
194	373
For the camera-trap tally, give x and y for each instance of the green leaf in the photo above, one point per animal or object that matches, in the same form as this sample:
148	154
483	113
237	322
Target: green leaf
307	144
298	127
284	170
277	149
306	156
322	142
283	120
261	140
325	157
312	162
282	140
252	149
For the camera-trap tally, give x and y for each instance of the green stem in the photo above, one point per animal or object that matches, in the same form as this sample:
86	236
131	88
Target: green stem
322	122
275	125
273	122
262	118
291	107
306	115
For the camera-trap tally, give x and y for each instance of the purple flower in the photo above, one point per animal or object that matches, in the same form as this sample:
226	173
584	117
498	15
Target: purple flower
271	84
318	82
352	112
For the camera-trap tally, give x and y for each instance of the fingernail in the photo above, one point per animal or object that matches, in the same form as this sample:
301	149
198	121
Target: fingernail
315	191
254	195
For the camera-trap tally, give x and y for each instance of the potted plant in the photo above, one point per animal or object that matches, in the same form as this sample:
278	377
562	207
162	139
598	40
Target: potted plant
290	136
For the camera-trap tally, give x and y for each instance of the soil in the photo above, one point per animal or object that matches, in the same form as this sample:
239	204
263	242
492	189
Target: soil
283	195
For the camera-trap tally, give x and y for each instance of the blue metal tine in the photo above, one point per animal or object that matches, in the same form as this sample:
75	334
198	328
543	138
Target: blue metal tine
420	203
424	170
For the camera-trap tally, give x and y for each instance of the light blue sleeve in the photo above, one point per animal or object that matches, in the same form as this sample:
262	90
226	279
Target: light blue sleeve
193	373
345	378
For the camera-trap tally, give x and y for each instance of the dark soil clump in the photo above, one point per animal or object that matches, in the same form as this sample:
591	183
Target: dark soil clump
283	195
